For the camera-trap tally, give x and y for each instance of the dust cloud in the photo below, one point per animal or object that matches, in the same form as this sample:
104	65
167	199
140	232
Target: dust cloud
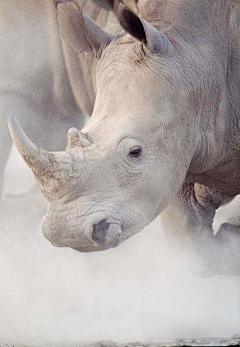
136	292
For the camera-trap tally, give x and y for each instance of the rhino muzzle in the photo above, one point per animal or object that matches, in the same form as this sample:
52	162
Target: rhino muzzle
60	177
95	236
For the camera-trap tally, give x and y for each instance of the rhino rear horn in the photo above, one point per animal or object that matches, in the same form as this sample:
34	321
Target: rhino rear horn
35	157
144	32
77	139
80	32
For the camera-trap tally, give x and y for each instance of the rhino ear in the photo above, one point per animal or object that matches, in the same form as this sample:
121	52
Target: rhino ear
80	32
144	32
106	4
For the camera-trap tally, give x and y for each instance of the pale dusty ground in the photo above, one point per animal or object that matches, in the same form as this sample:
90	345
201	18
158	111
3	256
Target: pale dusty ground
136	292
234	341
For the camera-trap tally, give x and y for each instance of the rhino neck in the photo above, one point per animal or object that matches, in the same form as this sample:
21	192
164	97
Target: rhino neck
206	37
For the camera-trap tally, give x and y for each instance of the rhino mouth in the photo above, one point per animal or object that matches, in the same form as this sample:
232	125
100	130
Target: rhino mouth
96	236
105	236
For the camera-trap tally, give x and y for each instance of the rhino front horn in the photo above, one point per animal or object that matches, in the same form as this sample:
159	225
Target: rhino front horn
35	157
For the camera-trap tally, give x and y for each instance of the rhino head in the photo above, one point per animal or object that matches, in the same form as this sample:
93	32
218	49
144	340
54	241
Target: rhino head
130	160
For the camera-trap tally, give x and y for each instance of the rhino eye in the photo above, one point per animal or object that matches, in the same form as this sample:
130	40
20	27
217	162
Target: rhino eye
135	152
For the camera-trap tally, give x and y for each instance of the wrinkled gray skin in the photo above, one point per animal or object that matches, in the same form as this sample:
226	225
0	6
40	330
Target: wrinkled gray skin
46	84
171	87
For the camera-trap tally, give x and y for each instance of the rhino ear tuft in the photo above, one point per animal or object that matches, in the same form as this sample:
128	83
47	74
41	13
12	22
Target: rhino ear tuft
144	32
80	32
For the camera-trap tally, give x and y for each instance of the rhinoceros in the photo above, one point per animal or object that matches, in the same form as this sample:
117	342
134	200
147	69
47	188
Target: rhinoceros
163	137
44	82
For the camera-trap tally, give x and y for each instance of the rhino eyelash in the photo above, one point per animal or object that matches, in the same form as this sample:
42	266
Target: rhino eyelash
135	152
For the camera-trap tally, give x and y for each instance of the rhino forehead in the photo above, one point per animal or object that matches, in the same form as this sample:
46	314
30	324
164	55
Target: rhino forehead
110	129
121	57
126	68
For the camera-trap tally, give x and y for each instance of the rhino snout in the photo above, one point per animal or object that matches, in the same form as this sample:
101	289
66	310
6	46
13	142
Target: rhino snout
98	234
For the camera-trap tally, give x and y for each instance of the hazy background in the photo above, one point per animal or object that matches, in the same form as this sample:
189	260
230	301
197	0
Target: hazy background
136	292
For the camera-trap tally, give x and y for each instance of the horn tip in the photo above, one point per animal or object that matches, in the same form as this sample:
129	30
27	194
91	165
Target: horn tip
12	123
17	134
10	118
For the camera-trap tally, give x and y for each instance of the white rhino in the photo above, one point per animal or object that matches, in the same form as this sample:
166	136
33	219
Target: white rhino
164	133
44	82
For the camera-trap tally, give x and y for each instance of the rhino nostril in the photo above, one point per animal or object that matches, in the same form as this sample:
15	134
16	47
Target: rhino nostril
99	230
